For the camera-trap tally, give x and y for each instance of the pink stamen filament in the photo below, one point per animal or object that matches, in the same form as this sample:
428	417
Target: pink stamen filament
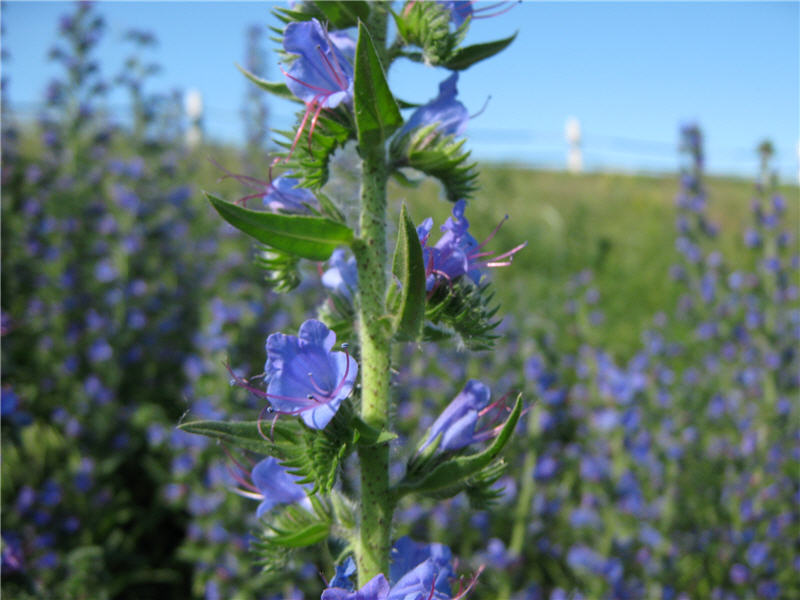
491	235
472	583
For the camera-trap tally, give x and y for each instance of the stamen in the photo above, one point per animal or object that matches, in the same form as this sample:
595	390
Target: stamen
494	14
491	235
483	108
334	72
322	91
472	583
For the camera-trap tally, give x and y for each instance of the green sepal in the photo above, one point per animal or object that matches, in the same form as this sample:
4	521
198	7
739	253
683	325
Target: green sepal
246	435
342	15
290	527
316	459
282	270
466	56
437	155
314	238
376	112
311	155
456	470
409	268
277	88
464	309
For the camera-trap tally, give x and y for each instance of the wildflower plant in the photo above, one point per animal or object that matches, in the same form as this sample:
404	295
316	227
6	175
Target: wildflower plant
327	392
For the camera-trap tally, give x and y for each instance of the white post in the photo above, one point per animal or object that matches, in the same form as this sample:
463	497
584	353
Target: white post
193	105
572	131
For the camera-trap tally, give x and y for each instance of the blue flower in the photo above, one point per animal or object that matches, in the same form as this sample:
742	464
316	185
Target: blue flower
457	253
322	73
342	274
429	580
376	588
284	195
269	482
448	113
344	572
407	554
305	377
456	426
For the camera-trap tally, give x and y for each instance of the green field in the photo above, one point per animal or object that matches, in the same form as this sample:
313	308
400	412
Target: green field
620	226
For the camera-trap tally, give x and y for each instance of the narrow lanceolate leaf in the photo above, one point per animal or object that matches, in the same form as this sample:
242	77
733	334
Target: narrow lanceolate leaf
408	267
246	434
342	15
456	470
466	56
376	112
277	88
314	238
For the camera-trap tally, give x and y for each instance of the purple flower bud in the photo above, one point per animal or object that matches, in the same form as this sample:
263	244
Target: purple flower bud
456	426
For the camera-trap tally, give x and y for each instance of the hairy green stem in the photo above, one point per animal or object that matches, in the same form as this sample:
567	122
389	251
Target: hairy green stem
377	503
372	548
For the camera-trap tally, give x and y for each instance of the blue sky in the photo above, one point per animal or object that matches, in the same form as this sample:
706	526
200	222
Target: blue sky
631	72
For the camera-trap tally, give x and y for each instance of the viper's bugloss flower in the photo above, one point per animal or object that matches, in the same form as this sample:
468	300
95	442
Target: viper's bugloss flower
457	253
322	73
407	554
341	277
376	588
457	426
305	377
284	195
448	113
271	483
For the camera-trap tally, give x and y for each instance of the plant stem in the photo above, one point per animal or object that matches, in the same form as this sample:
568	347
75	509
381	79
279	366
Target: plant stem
377	504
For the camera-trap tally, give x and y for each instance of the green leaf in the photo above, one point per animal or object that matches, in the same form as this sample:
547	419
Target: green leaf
343	14
465	57
409	268
376	112
456	470
314	238
245	434
277	88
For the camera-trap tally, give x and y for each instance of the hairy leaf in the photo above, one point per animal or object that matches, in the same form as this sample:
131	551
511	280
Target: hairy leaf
342	15
246	434
408	267
279	89
314	238
376	112
465	57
